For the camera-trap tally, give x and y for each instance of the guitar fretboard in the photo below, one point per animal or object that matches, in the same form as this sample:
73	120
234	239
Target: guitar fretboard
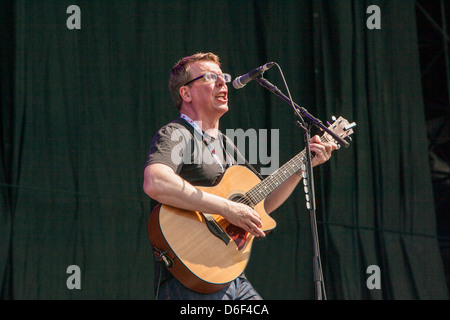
266	186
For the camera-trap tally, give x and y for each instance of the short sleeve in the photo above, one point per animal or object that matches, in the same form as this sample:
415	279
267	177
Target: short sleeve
168	146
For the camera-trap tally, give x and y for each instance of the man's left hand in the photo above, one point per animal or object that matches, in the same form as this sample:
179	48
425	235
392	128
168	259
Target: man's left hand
322	150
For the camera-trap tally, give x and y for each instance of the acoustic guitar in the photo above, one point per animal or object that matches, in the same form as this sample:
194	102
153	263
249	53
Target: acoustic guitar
203	250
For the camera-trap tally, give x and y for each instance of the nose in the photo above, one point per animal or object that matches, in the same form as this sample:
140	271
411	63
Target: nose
220	80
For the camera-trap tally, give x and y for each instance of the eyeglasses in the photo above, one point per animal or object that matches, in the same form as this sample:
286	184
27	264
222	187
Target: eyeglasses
211	77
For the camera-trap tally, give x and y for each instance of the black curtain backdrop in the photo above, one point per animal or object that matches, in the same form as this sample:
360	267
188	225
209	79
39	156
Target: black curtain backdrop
79	109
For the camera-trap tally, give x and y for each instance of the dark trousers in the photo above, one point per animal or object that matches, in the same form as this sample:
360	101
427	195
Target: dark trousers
170	288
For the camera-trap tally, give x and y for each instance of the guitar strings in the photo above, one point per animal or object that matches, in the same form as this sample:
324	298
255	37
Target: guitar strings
252	196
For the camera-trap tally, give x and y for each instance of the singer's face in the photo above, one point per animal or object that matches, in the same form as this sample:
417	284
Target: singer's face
209	98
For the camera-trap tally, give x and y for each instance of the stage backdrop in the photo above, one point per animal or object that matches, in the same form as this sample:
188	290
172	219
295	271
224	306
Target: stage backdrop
79	108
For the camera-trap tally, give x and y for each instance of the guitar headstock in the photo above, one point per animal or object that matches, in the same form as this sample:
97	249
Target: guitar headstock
341	127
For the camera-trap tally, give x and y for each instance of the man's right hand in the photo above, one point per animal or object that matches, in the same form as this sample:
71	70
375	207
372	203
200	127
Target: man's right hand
245	217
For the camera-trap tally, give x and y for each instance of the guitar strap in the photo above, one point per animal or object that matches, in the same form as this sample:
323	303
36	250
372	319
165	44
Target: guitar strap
227	142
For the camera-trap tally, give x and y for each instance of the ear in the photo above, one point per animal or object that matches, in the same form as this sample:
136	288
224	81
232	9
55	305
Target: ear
185	93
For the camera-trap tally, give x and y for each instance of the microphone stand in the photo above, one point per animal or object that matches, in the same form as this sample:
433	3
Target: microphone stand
297	110
308	179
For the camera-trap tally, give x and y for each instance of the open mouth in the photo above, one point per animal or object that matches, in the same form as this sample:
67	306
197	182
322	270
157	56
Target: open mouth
222	96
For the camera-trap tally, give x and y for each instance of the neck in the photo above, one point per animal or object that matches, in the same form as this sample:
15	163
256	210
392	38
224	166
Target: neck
207	124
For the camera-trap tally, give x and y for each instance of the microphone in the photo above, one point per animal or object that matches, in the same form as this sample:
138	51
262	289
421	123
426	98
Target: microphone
241	81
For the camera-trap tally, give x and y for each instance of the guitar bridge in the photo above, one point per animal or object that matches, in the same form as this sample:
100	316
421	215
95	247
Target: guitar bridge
215	228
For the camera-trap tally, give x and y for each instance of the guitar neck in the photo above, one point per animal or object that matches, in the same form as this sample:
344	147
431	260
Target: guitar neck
266	186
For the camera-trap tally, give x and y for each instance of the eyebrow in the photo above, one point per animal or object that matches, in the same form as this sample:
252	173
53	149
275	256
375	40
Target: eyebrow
211	71
204	71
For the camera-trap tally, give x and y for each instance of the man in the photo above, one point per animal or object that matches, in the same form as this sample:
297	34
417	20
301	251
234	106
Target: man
199	90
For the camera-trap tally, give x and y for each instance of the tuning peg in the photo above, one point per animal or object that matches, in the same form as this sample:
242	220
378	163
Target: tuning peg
350	138
333	118
351	125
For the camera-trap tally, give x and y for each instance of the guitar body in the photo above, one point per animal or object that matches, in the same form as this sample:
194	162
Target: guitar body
198	258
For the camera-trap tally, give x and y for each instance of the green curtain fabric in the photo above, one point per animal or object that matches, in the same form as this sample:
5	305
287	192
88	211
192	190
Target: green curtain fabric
386	216
6	103
79	109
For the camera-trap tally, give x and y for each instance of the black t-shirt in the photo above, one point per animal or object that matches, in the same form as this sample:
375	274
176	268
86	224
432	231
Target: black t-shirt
183	149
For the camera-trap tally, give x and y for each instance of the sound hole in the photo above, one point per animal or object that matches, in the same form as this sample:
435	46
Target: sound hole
241	198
